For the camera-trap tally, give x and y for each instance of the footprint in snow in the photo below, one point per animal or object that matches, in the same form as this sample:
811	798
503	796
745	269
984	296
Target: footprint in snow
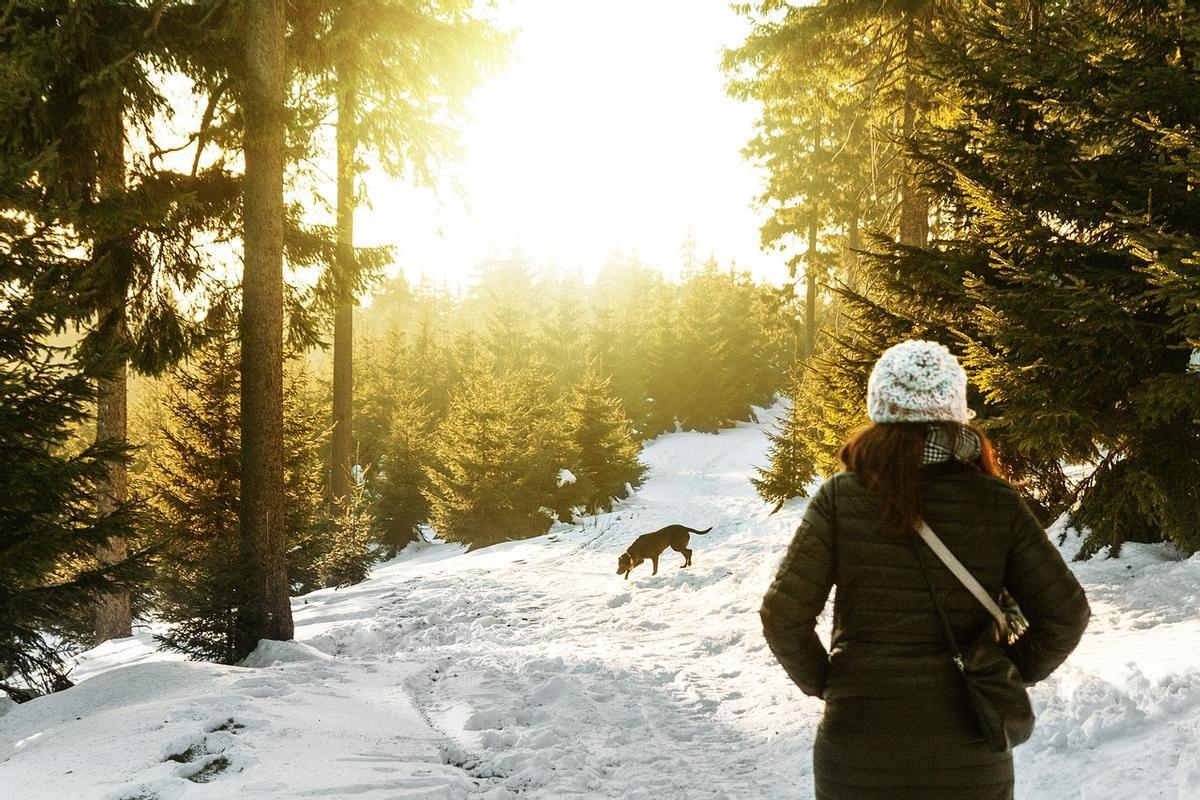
202	759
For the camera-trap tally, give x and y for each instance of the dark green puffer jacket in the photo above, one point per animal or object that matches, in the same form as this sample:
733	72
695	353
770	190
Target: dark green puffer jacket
897	724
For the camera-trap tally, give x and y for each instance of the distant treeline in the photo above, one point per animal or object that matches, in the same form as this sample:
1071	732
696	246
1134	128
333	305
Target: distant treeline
483	416
472	400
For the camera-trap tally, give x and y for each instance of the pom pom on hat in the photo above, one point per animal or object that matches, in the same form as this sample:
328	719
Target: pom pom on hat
918	381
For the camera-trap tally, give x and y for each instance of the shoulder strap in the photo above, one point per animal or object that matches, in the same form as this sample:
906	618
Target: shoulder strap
962	573
943	620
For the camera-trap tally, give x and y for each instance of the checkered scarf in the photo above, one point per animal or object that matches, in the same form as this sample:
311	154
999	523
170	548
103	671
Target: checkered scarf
942	445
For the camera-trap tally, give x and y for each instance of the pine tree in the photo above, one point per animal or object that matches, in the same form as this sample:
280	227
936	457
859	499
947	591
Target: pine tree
81	81
702	388
382	363
401	506
776	322
787	472
320	553
1079	348
348	552
632	333
195	491
827	392
497	457
50	522
603	447
562	339
505	299
429	363
655	362
841	87
722	351
1065	219
195	494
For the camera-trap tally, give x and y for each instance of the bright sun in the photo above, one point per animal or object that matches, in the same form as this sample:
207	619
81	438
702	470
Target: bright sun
609	131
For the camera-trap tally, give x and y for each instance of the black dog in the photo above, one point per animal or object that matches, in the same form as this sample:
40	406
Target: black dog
651	546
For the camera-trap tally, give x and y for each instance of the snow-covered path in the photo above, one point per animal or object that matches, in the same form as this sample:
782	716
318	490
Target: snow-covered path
555	677
531	669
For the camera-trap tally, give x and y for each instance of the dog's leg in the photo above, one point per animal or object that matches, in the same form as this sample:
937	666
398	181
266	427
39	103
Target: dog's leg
687	557
655	562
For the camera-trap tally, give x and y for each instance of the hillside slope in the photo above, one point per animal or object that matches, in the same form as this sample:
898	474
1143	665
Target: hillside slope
531	669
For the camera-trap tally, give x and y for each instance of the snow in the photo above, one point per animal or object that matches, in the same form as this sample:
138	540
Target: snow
566	477
531	669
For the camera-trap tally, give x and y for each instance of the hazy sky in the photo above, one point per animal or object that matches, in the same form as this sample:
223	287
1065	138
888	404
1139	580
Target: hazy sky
609	130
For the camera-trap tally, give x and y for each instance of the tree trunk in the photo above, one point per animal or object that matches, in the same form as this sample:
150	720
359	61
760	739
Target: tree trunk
266	610
914	199
810	294
342	440
810	271
853	262
112	615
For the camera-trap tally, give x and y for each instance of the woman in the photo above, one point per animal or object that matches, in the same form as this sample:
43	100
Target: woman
897	722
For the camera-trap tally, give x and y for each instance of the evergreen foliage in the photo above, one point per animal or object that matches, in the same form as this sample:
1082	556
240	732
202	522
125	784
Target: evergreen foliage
78	81
49	524
787	472
1071	237
1062	273
195	492
194	488
604	457
497	458
402	507
347	550
398	73
616	359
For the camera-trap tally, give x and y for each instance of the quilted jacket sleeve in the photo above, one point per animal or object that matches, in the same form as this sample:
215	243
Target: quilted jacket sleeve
797	595
1049	595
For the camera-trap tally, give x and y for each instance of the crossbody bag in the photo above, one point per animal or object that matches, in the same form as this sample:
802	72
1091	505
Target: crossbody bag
994	688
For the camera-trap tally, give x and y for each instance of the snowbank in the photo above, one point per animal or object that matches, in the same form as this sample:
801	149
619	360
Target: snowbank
301	724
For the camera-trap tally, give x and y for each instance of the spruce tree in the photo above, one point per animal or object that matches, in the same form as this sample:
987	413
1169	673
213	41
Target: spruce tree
1066	218
1063	236
195	485
82	82
323	541
50	517
506	301
702	389
632	333
348	552
723	352
655	361
381	362
603	447
401	506
787	472
195	490
561	336
497	457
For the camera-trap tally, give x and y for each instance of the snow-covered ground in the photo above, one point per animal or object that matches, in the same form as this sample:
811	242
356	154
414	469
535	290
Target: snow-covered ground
532	670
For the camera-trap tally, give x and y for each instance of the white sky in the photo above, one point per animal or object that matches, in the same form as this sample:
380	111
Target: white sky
610	130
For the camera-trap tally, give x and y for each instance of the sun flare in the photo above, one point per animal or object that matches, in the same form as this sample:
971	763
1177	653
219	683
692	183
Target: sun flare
603	135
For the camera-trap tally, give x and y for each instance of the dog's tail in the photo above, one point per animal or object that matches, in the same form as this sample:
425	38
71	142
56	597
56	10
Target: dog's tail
693	530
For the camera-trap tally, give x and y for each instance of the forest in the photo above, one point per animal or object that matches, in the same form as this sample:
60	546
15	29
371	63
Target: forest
214	398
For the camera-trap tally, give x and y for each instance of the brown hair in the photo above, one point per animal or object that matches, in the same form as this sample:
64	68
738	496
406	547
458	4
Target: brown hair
887	459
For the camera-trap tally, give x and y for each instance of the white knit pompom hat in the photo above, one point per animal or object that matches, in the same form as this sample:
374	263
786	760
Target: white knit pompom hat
918	381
